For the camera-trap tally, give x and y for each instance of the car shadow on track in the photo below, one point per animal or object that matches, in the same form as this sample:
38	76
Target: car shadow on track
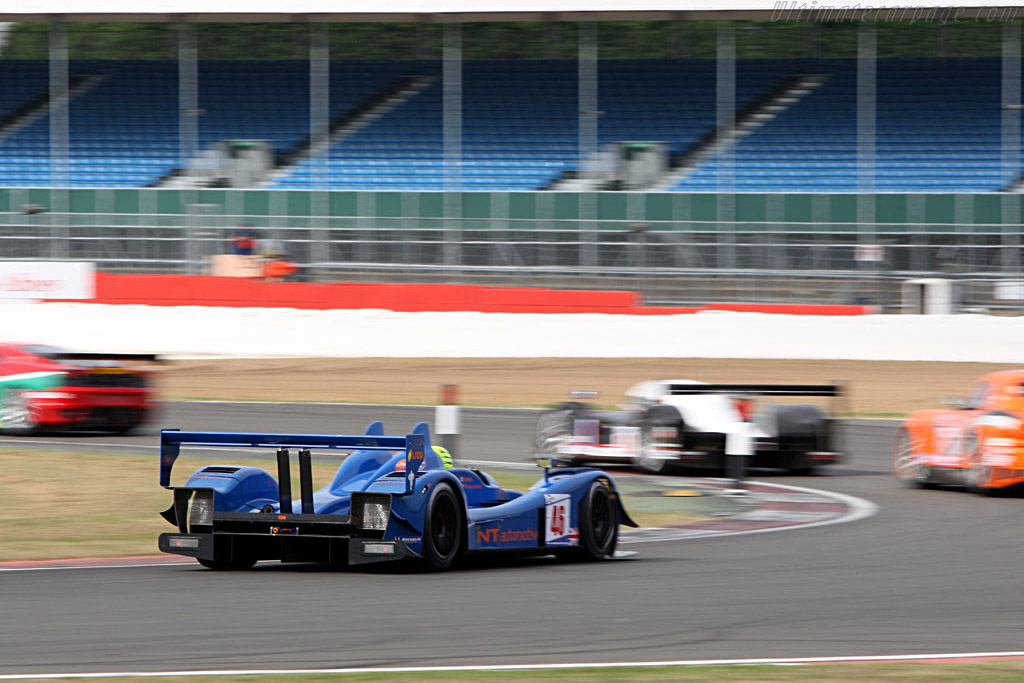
473	563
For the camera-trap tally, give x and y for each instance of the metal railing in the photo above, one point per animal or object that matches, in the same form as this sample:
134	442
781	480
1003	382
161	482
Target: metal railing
674	262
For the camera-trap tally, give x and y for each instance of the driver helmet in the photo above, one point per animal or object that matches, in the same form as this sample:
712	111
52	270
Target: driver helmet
445	456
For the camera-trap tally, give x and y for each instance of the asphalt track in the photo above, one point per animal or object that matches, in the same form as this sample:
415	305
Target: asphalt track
932	572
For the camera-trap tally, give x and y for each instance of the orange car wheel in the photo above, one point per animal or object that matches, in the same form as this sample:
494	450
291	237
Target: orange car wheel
906	471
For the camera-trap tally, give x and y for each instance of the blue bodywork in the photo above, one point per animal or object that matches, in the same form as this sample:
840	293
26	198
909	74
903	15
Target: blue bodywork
403	468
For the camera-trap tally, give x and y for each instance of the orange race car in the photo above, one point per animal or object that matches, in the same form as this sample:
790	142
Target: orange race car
976	444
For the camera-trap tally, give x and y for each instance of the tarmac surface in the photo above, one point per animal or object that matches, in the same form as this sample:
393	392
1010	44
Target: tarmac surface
926	572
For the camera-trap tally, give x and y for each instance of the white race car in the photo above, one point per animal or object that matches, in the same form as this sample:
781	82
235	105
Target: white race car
670	424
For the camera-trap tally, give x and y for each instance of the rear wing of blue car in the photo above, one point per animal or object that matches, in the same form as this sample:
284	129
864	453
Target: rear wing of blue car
414	445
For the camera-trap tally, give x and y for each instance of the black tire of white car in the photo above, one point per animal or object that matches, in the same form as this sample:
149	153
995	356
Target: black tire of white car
443	529
598	522
802	427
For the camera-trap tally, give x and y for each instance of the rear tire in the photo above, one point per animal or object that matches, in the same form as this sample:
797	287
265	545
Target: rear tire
15	415
799	429
904	469
443	529
598	522
644	460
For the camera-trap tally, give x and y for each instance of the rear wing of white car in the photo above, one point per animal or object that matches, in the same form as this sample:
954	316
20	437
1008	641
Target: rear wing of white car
745	393
828	390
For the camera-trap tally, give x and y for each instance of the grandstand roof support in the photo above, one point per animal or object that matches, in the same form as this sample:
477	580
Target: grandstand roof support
867	103
60	132
725	118
452	140
587	132
319	140
188	94
188	134
1010	143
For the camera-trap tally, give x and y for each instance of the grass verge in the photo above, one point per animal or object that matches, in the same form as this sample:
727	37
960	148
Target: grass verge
61	505
965	672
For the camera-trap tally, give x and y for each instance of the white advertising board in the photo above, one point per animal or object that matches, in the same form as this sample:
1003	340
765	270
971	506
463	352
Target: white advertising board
47	280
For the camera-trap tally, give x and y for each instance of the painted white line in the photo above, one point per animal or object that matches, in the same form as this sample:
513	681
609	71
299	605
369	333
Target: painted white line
859	508
96	566
790	661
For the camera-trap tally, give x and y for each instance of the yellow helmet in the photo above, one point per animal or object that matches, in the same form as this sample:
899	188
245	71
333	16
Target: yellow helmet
445	456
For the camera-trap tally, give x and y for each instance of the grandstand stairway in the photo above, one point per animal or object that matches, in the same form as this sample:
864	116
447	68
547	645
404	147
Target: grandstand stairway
755	115
41	105
348	124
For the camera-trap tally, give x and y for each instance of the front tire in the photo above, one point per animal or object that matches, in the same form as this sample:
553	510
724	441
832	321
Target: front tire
15	415
598	522
443	530
553	429
977	475
646	459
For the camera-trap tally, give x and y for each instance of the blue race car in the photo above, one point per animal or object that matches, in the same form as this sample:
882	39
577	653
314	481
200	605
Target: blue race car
391	498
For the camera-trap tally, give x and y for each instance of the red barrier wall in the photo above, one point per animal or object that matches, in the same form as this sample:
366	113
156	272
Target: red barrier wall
206	290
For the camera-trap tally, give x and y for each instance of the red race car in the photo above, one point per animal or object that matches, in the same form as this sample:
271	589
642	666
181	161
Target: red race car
977	444
45	387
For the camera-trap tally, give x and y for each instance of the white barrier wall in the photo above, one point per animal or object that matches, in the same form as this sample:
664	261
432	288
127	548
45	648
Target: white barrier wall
47	280
269	332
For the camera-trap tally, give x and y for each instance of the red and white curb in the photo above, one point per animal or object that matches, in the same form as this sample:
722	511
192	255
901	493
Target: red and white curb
777	507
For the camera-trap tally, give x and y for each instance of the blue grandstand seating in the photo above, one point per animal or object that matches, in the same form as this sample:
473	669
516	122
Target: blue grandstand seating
938	129
523	116
130	118
938	123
